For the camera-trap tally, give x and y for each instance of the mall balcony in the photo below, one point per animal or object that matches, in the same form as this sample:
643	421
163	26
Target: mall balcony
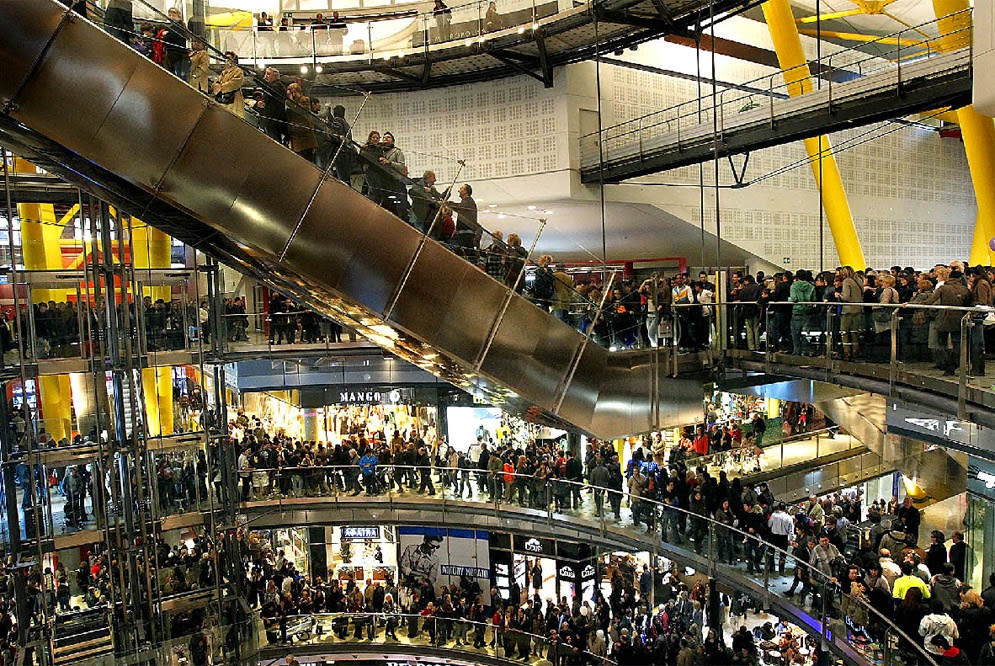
156	504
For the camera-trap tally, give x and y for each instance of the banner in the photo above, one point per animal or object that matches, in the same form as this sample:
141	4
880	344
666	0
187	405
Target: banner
443	555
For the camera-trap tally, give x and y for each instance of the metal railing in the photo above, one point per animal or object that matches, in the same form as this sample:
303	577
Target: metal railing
385	34
442	629
693	537
691	122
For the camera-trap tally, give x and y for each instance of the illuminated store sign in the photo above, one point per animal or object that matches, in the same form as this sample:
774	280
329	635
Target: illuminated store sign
360	396
360	533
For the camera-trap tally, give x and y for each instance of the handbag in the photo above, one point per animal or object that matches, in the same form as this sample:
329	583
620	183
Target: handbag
225	97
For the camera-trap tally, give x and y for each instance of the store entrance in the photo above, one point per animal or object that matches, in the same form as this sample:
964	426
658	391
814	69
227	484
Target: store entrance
536	574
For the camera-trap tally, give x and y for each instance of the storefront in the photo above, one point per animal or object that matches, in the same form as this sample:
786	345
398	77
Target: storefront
330	414
468	417
293	541
362	553
553	569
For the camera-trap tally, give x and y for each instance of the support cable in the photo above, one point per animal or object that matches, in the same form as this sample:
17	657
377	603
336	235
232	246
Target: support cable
601	152
715	141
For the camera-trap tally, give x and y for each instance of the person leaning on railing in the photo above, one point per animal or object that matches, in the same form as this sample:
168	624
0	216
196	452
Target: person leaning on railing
953	293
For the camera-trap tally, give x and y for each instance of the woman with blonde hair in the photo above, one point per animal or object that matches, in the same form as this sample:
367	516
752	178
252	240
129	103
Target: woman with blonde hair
882	318
200	64
227	87
516	263
974	621
302	138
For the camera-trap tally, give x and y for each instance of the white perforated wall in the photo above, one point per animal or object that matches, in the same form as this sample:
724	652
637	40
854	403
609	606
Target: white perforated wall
909	189
506	128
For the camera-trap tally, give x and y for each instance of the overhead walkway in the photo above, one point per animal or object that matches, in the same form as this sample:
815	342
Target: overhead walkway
405	49
156	148
859	89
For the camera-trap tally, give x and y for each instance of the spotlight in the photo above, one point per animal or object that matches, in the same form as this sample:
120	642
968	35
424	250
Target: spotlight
318	69
303	69
521	30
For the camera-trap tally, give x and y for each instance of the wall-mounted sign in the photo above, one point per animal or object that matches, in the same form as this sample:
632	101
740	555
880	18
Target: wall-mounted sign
360	533
371	396
567	572
532	546
588	572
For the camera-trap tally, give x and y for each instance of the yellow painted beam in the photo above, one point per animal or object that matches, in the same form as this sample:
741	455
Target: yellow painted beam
979	245
977	131
150	248
830	16
794	64
955	31
157	385
860	37
65	219
41	250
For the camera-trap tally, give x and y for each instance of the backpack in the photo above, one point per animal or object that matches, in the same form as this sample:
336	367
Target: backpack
447	227
543	286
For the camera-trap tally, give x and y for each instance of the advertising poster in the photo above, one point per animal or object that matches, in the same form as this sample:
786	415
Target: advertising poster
443	555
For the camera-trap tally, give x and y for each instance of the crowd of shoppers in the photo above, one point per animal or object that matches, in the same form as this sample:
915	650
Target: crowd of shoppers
837	310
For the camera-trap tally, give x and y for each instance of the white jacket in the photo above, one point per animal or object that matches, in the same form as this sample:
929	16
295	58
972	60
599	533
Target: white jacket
938	624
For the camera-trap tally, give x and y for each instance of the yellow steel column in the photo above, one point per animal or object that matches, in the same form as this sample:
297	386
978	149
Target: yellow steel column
150	248
41	250
979	245
791	56
978	131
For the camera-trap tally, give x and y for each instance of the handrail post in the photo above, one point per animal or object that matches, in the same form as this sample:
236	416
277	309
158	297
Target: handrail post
830	65
966	326
770	98
893	367
898	89
678	131
768	346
